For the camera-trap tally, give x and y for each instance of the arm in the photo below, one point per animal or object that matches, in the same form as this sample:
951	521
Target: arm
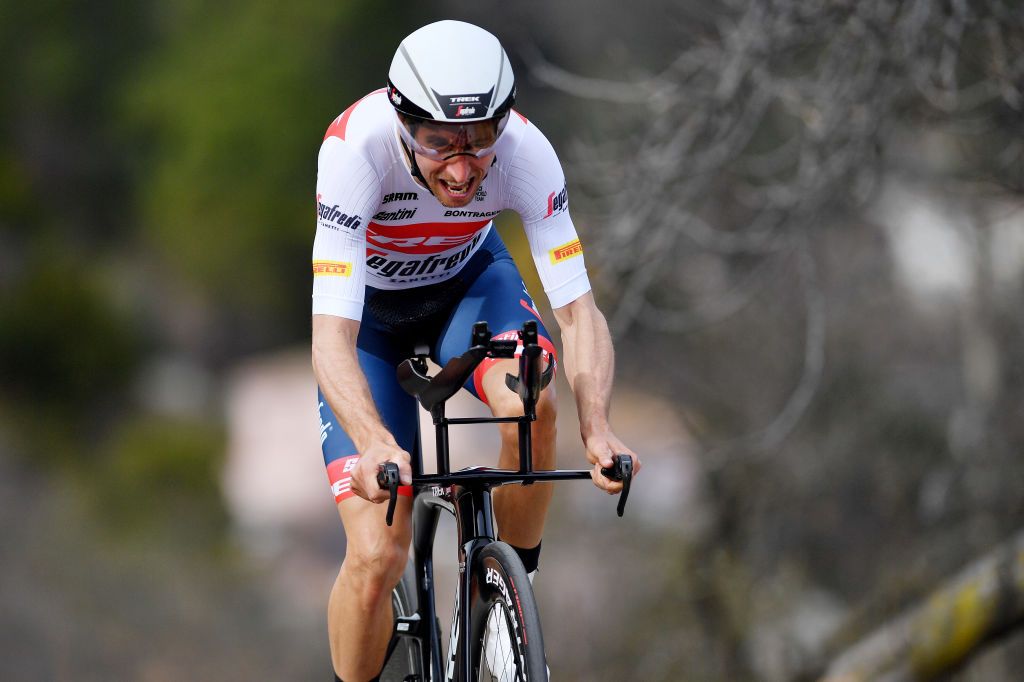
336	367
589	362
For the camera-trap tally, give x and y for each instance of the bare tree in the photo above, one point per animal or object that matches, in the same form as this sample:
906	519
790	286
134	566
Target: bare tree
723	187
770	126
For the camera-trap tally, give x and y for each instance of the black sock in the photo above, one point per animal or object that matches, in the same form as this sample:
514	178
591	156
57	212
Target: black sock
529	557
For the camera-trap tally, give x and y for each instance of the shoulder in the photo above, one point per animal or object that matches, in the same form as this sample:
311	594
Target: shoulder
363	129
534	181
523	142
366	117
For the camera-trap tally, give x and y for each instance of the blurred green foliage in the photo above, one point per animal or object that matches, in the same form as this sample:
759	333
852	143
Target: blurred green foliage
230	115
146	150
162	473
61	342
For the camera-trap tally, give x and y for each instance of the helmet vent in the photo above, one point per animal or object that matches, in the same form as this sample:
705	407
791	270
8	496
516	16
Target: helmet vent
501	71
419	78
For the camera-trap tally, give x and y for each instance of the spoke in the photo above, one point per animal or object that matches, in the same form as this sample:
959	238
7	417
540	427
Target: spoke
499	661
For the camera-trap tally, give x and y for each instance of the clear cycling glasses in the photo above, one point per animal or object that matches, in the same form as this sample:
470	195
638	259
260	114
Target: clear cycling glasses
441	141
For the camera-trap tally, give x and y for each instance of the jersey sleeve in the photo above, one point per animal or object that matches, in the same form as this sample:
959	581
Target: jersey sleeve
347	193
538	194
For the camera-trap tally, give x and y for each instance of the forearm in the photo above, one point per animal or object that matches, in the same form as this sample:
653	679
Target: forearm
343	384
589	363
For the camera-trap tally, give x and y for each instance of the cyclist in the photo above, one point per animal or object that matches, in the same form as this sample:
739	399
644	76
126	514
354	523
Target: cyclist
409	180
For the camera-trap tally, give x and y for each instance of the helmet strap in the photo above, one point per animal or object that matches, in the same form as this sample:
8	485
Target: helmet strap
414	167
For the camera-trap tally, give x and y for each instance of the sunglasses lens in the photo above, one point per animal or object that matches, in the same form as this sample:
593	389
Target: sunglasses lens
440	140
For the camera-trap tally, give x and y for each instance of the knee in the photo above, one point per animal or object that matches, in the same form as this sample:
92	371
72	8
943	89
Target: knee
506	403
547	408
376	563
547	414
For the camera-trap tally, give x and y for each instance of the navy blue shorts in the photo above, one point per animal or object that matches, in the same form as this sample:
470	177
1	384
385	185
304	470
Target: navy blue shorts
442	315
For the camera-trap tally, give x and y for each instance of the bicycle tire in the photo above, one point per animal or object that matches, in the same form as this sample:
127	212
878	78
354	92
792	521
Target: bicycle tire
503	599
406	661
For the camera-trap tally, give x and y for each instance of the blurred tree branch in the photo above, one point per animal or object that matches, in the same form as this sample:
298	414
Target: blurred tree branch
765	129
933	637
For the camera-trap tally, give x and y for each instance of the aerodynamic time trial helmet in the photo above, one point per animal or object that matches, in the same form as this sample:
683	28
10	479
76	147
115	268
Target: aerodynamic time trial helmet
454	79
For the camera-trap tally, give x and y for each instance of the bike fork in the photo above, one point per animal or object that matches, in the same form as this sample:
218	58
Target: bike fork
425	518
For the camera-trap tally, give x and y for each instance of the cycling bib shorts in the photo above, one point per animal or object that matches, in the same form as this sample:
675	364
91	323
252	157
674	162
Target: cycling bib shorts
488	288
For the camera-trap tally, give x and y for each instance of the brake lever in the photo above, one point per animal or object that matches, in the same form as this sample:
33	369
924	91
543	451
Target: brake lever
388	479
620	470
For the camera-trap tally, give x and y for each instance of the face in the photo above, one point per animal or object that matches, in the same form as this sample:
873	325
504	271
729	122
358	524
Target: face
453	158
454	181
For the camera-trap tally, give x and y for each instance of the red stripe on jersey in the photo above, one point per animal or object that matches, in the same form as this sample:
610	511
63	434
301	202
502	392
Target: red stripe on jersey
421	238
520	116
338	126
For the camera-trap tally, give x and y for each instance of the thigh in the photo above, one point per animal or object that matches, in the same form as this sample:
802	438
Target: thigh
499	297
379	355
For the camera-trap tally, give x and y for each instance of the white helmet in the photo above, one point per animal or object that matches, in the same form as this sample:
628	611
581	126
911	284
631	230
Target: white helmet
452	72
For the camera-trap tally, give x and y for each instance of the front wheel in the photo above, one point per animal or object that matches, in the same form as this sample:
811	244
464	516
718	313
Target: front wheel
506	641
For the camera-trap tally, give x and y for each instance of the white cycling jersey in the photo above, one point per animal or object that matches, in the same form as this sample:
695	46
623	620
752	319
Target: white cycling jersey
378	226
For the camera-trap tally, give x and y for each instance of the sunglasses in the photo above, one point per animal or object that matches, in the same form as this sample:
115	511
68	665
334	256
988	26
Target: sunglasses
441	141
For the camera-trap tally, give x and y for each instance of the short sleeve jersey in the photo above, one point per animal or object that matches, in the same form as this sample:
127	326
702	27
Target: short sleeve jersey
378	226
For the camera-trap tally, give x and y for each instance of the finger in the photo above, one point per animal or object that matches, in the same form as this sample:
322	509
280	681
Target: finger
405	472
601	456
370	493
379	496
603	482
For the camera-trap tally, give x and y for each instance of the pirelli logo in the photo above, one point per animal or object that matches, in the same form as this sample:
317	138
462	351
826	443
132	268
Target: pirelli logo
331	268
566	251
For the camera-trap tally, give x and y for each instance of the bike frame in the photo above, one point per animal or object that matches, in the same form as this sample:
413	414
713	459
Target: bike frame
466	495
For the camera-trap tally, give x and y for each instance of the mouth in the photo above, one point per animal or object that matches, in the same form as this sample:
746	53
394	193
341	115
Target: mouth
456	190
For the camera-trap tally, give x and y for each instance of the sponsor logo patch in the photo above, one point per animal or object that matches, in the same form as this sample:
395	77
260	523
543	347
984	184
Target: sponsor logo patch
566	251
400	214
332	217
456	213
421	238
455	106
400	196
331	268
557	202
429	267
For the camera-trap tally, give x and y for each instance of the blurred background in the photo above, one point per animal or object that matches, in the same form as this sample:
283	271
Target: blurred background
804	221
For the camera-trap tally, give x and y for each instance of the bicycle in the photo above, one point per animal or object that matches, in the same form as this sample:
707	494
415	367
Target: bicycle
495	614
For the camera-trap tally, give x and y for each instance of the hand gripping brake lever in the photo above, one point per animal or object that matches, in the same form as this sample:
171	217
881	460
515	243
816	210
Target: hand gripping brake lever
620	470
387	479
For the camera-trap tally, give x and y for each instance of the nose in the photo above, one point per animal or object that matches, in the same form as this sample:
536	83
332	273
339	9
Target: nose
459	168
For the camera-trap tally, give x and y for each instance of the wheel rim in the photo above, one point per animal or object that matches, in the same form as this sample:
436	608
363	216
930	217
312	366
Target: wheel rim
500	659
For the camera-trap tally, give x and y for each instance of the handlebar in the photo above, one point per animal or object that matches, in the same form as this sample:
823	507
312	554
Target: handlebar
433	391
621	470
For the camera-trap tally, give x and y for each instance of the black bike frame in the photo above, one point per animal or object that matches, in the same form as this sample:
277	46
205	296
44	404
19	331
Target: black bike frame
467	495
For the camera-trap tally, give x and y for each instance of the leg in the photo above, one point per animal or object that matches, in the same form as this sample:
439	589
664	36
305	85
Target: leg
359	616
520	510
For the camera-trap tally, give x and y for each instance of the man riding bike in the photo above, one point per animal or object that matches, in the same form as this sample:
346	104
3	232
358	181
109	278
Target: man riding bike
409	180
